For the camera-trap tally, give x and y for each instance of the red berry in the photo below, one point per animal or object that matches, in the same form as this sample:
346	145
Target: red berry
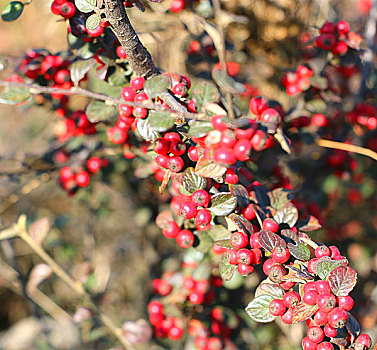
161	286
200	198
68	10
325	346
277	307
254	241
203	217
231	176
175	164
194	153
188	209
171	136
138	83
326	301
185	239
338	318
55	8
320	317
322	286
244	256
291	299
346	302
328	28
257	105
224	156
334	251
196	298
121	52
319	119
218	124
280	255
162	160
177	147
172	230
161	146
315	334
307	344
309	286
365	340
249	212
82	178
242	150
340	48
214	343
287	318
245	270
238	240
232	256
325	41
94	164
310	297
177	6
155	307
128	93
94	32
175	333
343	27
330	331
267	266
270	225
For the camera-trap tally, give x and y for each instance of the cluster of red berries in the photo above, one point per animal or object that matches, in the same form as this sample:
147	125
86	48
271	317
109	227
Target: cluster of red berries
184	288
365	115
47	70
70	180
332	37
298	81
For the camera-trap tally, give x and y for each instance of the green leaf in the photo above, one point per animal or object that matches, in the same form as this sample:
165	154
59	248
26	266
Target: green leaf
271	289
205	242
223	204
79	69
85	5
98	111
146	131
287	214
225	243
117	78
225	81
12	11
258	309
160	121
302	312
299	251
204	93
155	86
191	181
98	85
269	240
92	22
324	266
226	270
12	95
342	280
279	197
198	128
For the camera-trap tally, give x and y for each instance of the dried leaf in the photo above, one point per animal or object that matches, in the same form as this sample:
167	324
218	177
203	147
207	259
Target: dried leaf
302	312
38	230
342	280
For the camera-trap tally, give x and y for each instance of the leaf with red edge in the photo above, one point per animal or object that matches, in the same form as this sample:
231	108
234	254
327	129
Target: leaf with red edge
302	312
208	168
293	236
342	280
271	289
242	224
269	240
226	270
309	224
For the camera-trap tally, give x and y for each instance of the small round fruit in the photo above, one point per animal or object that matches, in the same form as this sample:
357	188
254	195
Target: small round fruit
338	318
277	307
185	239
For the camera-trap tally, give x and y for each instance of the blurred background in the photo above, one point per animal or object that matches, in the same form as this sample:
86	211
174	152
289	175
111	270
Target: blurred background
105	235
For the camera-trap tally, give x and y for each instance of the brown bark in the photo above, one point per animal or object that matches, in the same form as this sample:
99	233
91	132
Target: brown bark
138	56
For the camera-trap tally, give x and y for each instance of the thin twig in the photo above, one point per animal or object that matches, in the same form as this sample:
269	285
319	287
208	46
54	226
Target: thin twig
76	286
346	147
37	89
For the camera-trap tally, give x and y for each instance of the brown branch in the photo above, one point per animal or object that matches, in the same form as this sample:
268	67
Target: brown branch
138	56
346	147
37	89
